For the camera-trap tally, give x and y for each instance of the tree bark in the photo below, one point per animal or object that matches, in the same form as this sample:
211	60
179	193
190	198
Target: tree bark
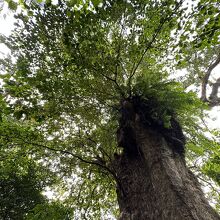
213	98
153	180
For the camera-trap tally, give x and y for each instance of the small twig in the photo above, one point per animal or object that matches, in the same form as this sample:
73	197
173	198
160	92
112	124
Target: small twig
207	182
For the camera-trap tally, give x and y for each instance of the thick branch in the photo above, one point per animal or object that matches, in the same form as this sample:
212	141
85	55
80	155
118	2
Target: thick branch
206	79
213	98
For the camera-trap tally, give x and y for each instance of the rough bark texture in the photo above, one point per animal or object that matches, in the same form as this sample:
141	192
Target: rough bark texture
154	182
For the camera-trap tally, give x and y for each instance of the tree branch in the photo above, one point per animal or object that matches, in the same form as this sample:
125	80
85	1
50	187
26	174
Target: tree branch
214	100
77	157
205	82
149	45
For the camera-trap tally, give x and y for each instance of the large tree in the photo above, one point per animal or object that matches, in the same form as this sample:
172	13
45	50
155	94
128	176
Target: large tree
94	81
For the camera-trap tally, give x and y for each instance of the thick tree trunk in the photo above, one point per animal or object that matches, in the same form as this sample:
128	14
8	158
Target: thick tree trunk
153	180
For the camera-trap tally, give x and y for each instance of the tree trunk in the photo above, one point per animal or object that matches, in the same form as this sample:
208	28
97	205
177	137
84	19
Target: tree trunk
153	180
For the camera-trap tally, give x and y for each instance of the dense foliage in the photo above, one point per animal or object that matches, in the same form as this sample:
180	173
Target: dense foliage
71	63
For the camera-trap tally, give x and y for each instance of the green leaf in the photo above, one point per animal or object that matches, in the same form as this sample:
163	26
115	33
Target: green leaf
12	5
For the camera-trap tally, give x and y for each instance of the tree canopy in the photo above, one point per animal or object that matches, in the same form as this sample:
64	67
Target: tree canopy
70	65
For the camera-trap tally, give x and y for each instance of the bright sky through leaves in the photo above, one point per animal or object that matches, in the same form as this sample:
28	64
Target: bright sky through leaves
7	24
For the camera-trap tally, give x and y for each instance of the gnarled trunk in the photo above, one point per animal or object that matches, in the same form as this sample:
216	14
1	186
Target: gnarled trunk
153	180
